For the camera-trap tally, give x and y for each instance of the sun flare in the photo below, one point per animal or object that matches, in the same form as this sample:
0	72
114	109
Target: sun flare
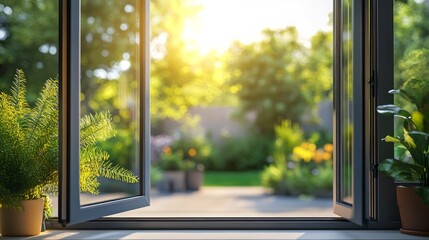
221	22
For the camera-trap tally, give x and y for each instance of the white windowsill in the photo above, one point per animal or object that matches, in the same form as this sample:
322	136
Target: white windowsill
223	234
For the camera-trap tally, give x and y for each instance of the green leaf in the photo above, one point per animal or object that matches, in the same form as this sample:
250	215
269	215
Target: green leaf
116	172
18	91
400	170
401	93
419	89
423	193
421	142
393	109
391	139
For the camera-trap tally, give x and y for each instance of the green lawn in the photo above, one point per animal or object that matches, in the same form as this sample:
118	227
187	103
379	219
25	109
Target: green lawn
228	179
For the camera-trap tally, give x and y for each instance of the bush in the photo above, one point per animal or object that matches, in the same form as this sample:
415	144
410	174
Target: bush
192	142
299	168
244	153
171	161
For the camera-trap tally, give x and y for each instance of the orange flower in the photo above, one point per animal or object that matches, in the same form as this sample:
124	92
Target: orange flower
192	152
328	147
167	150
318	156
327	156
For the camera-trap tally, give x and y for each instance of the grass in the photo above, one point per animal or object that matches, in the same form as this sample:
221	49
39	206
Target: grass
229	179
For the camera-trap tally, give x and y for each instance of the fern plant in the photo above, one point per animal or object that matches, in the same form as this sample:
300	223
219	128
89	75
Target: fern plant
29	154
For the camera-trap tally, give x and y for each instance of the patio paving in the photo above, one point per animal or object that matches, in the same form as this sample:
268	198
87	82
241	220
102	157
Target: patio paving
231	202
221	202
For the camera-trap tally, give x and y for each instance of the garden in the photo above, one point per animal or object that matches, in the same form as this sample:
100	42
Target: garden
277	90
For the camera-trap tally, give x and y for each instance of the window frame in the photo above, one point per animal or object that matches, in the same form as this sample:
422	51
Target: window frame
353	211
381	45
70	210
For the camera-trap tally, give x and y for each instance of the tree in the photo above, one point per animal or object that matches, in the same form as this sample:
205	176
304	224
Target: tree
411	32
268	76
317	72
180	76
28	41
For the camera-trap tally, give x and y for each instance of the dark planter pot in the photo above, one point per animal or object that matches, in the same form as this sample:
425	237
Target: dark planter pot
194	180
173	181
22	222
414	214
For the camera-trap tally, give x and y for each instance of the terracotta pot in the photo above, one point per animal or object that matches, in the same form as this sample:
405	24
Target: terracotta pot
414	214
194	179
22	222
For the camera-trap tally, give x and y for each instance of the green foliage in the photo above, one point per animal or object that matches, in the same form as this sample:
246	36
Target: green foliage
171	161
273	178
318	67
155	175
411	32
275	77
299	168
242	153
311	181
267	76
414	137
180	76
22	47
29	145
193	143
28	140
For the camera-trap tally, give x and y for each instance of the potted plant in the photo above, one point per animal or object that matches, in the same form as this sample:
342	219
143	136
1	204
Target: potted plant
413	201
29	156
194	174
192	141
172	166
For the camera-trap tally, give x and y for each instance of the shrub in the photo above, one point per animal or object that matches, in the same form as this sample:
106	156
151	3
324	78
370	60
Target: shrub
299	167
192	142
171	161
244	153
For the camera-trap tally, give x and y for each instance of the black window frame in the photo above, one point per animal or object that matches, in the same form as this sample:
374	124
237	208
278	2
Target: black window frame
379	209
70	209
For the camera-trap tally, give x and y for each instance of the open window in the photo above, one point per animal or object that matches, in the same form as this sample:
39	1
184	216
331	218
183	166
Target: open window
104	46
348	110
104	49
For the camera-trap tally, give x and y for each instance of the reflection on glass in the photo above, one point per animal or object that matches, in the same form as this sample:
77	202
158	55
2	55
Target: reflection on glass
346	110
109	99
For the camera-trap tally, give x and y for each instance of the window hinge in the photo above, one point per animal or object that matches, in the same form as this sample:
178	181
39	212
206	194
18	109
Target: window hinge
371	82
374	170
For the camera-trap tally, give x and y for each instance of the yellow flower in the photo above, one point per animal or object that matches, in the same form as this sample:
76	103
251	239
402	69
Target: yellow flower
192	152
303	153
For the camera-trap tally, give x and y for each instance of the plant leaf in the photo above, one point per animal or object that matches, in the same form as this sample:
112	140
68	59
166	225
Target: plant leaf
391	139
393	109
18	91
401	93
423	193
116	172
421	145
400	170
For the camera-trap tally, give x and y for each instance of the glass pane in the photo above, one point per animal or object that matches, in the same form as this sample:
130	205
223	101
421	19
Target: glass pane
110	59
346	111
